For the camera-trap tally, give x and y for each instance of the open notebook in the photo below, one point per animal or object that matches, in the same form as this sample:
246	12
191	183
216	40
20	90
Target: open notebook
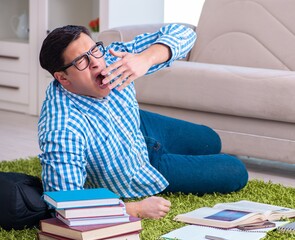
199	232
290	227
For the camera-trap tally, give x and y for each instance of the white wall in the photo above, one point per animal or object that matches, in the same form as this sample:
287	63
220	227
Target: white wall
184	11
115	13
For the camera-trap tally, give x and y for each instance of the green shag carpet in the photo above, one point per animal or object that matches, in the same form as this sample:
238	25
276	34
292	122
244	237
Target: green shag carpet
255	191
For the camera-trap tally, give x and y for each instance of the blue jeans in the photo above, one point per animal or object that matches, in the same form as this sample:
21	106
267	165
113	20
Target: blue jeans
188	156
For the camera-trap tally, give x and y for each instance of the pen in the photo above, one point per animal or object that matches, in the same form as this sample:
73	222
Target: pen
214	237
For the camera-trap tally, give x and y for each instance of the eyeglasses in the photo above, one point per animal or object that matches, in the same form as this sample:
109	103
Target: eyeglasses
83	61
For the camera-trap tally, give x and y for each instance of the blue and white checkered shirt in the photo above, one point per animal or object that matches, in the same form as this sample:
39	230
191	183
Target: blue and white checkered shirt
99	140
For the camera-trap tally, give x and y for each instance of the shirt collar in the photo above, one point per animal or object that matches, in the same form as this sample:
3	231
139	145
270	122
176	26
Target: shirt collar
84	103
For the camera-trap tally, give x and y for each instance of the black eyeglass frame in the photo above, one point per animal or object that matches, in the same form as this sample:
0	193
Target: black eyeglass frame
87	54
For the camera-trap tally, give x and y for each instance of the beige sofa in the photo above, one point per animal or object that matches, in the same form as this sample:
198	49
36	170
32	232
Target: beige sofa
239	78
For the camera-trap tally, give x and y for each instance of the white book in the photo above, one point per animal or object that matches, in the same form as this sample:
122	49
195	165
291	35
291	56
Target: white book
93	220
96	211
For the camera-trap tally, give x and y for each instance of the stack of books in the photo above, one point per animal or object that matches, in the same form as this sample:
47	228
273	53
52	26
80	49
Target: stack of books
88	214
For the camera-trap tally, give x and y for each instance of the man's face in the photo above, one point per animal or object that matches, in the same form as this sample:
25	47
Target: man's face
87	82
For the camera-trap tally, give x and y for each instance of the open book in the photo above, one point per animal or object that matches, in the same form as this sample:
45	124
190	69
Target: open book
229	215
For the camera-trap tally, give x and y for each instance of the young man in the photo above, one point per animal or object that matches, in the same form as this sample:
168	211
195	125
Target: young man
92	133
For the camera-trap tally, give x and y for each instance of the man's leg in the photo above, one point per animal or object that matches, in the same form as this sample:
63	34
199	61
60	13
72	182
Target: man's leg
178	136
202	174
188	156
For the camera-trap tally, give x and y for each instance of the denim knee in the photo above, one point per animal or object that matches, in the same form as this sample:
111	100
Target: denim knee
215	140
216	173
238	176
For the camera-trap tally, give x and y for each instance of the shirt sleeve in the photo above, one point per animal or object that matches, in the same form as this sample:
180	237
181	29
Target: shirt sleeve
179	38
63	161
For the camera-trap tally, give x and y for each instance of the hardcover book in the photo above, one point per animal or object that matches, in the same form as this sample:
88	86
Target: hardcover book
81	198
90	232
229	215
93	220
128	236
47	236
111	210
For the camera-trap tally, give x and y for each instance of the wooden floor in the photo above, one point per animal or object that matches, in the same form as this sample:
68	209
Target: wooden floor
18	136
18	139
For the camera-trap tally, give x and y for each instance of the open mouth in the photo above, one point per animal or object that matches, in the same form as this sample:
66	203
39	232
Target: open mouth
99	79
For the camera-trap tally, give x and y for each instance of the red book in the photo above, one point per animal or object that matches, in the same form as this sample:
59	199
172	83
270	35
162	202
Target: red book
90	232
128	236
49	236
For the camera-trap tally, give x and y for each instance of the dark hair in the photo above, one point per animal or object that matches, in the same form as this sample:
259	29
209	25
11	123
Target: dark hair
54	45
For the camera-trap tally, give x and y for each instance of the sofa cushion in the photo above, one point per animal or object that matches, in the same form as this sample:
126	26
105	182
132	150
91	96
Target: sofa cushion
232	90
256	33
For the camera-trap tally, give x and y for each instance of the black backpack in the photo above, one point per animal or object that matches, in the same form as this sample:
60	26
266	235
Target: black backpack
21	203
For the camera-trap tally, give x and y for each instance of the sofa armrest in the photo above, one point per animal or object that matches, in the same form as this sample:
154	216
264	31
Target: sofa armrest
239	91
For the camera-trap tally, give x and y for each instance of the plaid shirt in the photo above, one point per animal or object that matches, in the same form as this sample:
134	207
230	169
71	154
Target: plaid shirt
99	141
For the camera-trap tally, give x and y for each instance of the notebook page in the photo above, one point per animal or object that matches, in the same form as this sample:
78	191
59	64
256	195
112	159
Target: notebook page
252	206
199	232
